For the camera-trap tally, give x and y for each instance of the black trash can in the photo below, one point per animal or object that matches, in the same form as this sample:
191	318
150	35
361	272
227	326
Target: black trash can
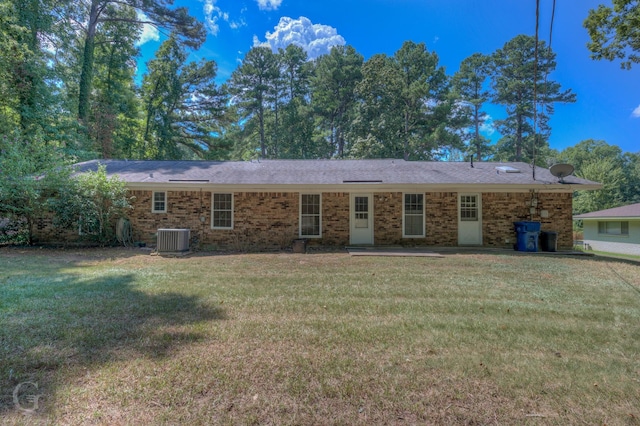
549	241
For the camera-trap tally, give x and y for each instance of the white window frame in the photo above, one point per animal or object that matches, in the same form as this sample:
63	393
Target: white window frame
213	211
404	215
319	215
462	209
623	227
153	201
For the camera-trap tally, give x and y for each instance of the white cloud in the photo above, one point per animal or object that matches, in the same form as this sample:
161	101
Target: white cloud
269	4
487	127
315	39
149	32
213	14
636	112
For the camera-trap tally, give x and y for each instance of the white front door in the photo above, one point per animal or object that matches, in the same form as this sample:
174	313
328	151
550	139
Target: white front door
470	219
361	219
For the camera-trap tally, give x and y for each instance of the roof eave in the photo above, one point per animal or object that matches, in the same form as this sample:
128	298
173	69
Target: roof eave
361	187
607	218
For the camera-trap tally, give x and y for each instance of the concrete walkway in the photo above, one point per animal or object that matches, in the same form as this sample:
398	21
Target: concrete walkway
442	251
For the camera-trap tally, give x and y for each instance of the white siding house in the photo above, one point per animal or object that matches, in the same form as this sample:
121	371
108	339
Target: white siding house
614	230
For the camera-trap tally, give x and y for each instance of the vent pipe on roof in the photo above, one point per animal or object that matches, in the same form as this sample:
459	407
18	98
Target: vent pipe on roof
472	161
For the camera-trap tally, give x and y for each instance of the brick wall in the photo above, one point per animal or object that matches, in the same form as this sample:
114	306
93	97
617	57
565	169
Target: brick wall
441	211
387	218
268	220
43	231
335	219
500	210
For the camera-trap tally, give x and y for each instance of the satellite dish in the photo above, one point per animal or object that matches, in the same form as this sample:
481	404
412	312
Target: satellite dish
561	171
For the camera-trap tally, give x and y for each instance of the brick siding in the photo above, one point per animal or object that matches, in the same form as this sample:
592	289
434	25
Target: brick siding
270	220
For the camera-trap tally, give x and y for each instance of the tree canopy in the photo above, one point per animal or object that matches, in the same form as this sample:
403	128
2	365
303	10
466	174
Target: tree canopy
614	32
70	85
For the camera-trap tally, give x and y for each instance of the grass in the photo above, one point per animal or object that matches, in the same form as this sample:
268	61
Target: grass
616	255
120	337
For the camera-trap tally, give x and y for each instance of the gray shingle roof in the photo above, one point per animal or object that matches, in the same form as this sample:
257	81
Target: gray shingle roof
326	172
632	210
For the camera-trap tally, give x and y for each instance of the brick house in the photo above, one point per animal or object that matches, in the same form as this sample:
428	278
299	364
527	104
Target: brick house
268	203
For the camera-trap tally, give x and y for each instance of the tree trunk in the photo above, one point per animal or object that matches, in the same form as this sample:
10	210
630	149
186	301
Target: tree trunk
406	136
477	135
86	75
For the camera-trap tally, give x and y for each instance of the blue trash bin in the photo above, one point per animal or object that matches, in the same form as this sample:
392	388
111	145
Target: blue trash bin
527	235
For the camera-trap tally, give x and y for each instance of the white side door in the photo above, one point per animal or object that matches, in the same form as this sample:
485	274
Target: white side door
470	219
361	219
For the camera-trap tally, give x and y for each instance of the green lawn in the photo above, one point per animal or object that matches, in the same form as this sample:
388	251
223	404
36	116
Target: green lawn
121	337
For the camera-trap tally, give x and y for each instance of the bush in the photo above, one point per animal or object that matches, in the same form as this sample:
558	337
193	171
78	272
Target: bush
92	202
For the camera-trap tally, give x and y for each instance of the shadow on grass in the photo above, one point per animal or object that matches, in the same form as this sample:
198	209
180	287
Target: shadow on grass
54	322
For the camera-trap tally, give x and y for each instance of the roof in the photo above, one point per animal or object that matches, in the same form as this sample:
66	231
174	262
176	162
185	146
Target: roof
630	211
384	172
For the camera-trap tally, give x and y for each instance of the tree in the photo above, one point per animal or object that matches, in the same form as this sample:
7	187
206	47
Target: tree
156	12
631	169
92	202
614	32
514	83
114	102
600	162
297	124
31	171
607	172
405	107
182	106
469	84
252	87
25	98
333	87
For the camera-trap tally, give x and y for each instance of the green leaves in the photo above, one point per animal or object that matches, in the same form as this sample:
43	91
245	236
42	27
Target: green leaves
600	162
404	106
520	89
614	32
30	173
182	106
91	203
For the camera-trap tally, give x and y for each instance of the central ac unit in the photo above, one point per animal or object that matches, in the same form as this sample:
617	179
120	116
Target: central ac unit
173	240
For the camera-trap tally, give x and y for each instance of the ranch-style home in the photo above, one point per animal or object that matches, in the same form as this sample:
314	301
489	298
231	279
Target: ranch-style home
264	204
615	230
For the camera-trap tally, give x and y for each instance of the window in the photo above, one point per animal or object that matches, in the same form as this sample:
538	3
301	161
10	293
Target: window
159	202
413	215
469	208
222	211
613	228
310	216
361	212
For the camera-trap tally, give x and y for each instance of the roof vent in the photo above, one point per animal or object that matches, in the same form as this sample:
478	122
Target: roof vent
507	169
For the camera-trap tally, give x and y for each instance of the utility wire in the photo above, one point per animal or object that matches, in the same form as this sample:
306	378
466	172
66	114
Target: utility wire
549	53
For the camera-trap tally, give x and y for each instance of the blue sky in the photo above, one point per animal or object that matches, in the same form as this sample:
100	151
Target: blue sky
608	98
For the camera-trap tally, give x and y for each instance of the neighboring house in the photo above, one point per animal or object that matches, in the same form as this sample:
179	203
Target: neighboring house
269	203
614	230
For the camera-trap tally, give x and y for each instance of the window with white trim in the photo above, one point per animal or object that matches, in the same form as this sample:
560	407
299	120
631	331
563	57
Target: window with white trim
413	216
159	202
613	227
222	211
310	215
